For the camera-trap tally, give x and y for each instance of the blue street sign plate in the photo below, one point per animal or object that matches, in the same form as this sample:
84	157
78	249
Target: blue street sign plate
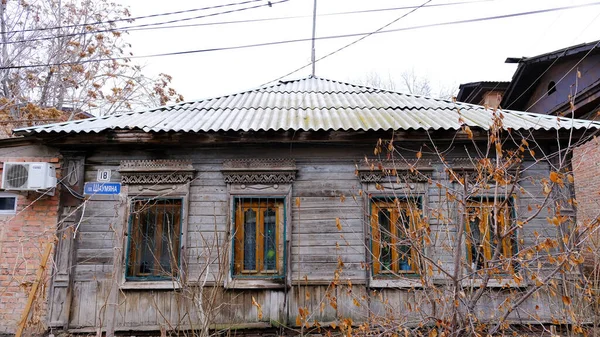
101	188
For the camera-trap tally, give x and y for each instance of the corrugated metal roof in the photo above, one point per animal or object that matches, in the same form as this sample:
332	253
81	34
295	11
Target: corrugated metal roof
311	104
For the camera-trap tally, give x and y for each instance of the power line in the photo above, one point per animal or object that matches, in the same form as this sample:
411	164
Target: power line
424	26
151	26
349	44
132	18
264	44
547	69
471	95
308	16
269	4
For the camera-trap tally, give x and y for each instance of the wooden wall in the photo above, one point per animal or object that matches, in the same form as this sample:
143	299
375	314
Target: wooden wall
326	188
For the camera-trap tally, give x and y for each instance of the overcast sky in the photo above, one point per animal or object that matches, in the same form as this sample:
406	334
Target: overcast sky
448	55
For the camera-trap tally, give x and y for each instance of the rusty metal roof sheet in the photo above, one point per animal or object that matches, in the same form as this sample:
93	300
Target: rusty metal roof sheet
311	104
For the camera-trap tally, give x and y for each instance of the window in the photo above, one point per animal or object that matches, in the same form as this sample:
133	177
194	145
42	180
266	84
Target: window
485	220
154	239
8	203
395	237
258	240
551	88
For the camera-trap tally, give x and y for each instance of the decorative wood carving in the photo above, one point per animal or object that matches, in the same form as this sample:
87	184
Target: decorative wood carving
386	176
143	172
463	167
259	171
377	171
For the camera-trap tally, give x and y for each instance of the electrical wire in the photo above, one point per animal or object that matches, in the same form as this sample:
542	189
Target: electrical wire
71	191
305	16
540	76
129	19
548	69
436	25
439	24
230	22
566	74
85	32
349	44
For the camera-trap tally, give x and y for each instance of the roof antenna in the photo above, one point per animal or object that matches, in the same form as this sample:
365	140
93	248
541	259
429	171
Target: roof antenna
313	38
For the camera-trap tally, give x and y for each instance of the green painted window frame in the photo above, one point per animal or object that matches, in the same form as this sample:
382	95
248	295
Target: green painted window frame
130	237
282	234
418	200
514	240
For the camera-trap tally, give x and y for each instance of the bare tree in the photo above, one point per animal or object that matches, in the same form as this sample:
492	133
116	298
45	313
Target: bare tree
410	81
416	84
70	54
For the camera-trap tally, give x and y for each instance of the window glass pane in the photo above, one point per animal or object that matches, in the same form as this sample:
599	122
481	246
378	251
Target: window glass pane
154	238
170	240
250	239
403	227
385	255
270	239
258	241
482	237
7	203
147	227
476	240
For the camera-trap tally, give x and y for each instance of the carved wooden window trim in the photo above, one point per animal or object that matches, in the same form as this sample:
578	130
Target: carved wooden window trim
395	172
389	180
249	181
155	180
153	172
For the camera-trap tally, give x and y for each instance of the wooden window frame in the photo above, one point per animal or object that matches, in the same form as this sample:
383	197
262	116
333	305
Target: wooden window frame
134	235
509	244
259	203
393	204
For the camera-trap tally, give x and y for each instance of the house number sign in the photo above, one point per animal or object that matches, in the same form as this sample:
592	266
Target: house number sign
104	175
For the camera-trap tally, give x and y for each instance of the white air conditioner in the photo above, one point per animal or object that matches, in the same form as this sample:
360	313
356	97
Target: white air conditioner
28	176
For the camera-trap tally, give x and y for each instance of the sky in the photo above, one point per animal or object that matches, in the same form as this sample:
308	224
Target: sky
446	55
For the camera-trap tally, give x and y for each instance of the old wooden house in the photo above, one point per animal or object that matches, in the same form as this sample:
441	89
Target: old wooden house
314	204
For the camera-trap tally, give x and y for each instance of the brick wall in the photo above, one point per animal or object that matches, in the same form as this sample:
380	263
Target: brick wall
23	239
586	167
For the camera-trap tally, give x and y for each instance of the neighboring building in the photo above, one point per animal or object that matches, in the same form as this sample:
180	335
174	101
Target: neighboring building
488	94
550	82
27	228
28	223
565	82
288	208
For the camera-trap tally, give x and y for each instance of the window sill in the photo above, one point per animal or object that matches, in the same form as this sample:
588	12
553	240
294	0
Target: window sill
395	283
494	282
142	285
254	284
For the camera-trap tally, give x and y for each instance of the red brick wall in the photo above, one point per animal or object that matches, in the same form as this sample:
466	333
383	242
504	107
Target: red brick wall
586	168
23	239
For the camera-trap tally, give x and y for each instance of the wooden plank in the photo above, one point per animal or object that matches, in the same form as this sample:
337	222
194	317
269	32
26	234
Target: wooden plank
146	308
351	303
88	296
34	289
118	244
76	303
133	316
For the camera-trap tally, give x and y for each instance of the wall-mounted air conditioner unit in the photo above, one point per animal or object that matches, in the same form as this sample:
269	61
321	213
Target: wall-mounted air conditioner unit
28	176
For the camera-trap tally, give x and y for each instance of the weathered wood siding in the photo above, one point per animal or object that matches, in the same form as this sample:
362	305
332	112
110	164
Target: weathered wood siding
326	188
